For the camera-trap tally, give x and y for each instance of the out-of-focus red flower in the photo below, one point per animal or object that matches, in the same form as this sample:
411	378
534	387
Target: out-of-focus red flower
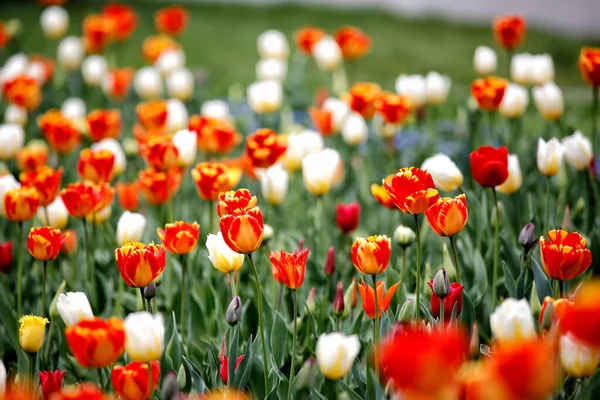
85	391
559	306
96	166
171	20
454	298
45	180
367	294
131	381
307	37
564	256
82	199
51	382
104	124
348	217
243	230
371	256
412	190
231	201
117	83
123	18
394	108
128	195
449	215
96	343
329	267
180	237
5	36
32	156
582	317
5	257
23	91
509	31
291	267
489	92
21	204
589	65
97	32
160	153
71	243
265	148
211	180
353	42
59	131
214	136
322	119
152	115
224	370
153	46
159	187
44	243
489	165
362	98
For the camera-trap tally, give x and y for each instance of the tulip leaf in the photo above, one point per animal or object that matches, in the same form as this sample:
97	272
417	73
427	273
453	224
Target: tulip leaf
375	392
592	387
9	317
318	395
357	324
174	346
245	367
358	377
509	280
467	315
193	373
348	390
232	355
214	364
480	281
542	284
278	339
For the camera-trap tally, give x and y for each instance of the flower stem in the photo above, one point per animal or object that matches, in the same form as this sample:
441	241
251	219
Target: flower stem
261	323
30	365
182	317
43	314
442	313
403	271
20	269
101	379
418	290
150	381
376	333
232	284
289	395
86	254
211	216
556	289
454	257
595	90
547	210
143	300
48	344
496	251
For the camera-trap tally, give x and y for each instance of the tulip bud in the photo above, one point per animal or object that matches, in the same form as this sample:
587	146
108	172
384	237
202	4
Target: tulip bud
327	54
515	101
147	83
485	61
53	311
169	61
177	116
338	303
310	300
150	291
527	237
349	298
441	284
93	70
404	236
273	44
265	97
268	233
54	21
446	175
329	267
407	312
170	387
70	53
547	314
307	375
234	312
271	69
15	115
12	138
180	84
474	343
336	353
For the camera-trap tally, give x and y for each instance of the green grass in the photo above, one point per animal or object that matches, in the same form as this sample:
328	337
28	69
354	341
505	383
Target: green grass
222	39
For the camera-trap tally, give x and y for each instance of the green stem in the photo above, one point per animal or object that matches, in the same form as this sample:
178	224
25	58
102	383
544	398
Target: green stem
49	344
289	395
30	365
43	314
232	284
418	289
101	379
182	317
403	271
211	216
556	288
261	323
547	210
376	333
595	90
86	254
496	250
442	313
20	269
144	308
455	257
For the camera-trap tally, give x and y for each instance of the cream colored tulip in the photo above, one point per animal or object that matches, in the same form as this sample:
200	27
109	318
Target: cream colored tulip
549	156
185	142
169	61
218	109
336	353
515	101
515	178
548	99
130	228
437	87
147	83
274	184
485	61
413	87
265	97
327	54
93	70
177	116
70	53
221	256
354	129
57	214
577	358
578	150
144	336
73	108
74	307
15	115
299	146
12	138
319	171
180	84
446	175
339	111
512	320
271	69
54	21
273	44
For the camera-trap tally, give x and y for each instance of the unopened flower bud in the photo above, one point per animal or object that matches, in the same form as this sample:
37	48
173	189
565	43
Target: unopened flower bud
407	312
349	296
527	237
268	233
338	303
170	387
547	313
404	236
329	267
352	290
301	244
499	209
150	291
441	284
306	375
223	348
234	312
310	300
474	344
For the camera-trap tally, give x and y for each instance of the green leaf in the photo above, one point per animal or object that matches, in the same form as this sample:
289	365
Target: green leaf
278	339
245	367
592	388
348	390
232	354
542	284
318	395
509	280
194	373
357	324
173	349
480	281
375	391
467	315
8	315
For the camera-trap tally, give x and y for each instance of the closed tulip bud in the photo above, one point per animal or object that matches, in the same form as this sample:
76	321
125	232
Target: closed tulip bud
407	311
319	170
437	87
274	184
547	314
115	148
185	142
73	108
578	150
15	115
485	61
73	307
327	54
354	129
310	300
31	333
446	175
180	84
336	353
150	291
12	137
217	109
577	358
349	298
54	21
269	232
271	69
93	70
147	83
515	177
441	284
549	156
265	97
144	336
222	257
170	388
404	236
512	320
51	382
515	101
305	380
339	110
329	267
527	237
234	311
520	68
70	53
413	87
548	99
177	116
130	228
273	44
542	69
6	257
338	302
169	61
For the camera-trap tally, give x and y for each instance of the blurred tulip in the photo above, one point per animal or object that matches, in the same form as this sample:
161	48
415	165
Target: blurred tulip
171	20
446	175
96	343
362	99
354	129
55	22
222	257
542	69
299	146
404	236
82	391
22	91
581	318
291	267
177	116
128	195
32	156
51	382
336	353
264	147
273	44
271	69
381	195
451	301
70	53
15	115
322	120
414	87
448	216
147	83
159	187
93	70
231	201
577	150
6	257
393	108
548	99
113	146
81	199
7	183
307	37
160	153
515	178
45	243
224	367
97	32
576	358
59	131
104	124
489	92
347	217
211	178
549	156
512	320
152	115
265	97
117	82
31	333
485	61
130	228
411	189
367	294
353	42
179	237
185	143
437	87
214	135
509	31
515	101
564	256
274	184
339	110
371	256
243	230
217	109
144	336
71	244
21	204
489	165
12	138
154	46
180	84
74	109
74	307
140	264
131	382
101	216
169	61
318	171
123	18
327	54
589	65
96	166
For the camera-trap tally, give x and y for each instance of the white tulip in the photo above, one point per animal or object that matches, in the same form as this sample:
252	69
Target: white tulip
512	320
521	68
413	87
217	109
548	99
354	129
114	147
170	60
144	336
12	138
57	214
336	353
515	101
70	53
274	184
16	65
446	175
549	156
130	228
180	84
74	307
404	236
578	150
269	69
577	358
185	142
93	70
515	177
485	61
319	170
327	54
299	146
2	378
15	115
265	96
220	254
7	182
37	71
542	69
147	83
73	108
339	110
273	44
177	116
437	87
54	21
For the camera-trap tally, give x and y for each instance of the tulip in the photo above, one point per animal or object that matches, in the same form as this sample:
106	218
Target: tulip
299	146
452	301
171	20
243	230
95	166
322	120
217	109
21	204
363	99
515	178
231	201
131	382
147	83
440	284
512	320
509	31
185	143
160	153
578	150
564	256
73	108
274	184
55	22
177	116
549	156
354	129
221	256
123	18
12	138
15	115
515	101
489	92
489	165
152	116
589	65
273	44
45	243
318	171
169	61
548	99
180	237
117	82
51	382
14	66
104	124
71	244
542	69
74	307
371	255
31	333
113	146
307	37
485	61
211	178
576	358
96	343
180	84
404	236
159	187
265	97
271	69
448	216
339	110
414	87
140	264
437	87
347	217
223	371
70	53
327	54
264	147
128	196
60	132
353	42
581	318
145	336
214	135
336	354
394	109
329	267
411	189
521	68
290	267
130	228
81	199
367	294
22	91
6	257
93	70
7	183
446	175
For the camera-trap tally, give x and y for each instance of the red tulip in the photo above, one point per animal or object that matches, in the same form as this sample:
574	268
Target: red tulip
348	216
489	165
51	382
225	367
5	257
454	298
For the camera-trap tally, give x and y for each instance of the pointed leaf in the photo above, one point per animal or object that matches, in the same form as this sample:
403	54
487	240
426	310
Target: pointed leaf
278	339
542	284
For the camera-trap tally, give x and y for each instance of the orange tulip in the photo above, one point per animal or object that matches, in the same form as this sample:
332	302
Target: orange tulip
367	294
128	195
19	391
96	343
21	204
265	148
215	136
140	264
307	37
70	244
559	307
153	47
96	166
381	195
448	216
290	267
243	230
509	31
582	317
45	180
23	91
123	18
84	391
159	187
362	98
104	124
371	255
589	65
488	92
211	179
353	42
81	199
5	36
45	243
180	237
152	115
564	255
97	32
322	119
171	20
394	108
32	156
231	201
160	153
131	381
59	131
412	190
118	82
106	195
